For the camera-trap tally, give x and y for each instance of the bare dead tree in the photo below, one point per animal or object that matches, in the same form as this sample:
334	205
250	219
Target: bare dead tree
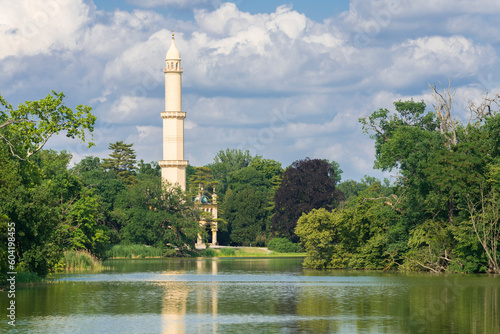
443	106
485	220
479	111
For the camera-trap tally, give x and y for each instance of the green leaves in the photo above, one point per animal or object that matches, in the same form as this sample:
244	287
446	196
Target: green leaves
153	214
442	164
27	128
122	161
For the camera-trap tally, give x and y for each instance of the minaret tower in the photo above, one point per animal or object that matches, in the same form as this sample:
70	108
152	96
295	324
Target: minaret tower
173	166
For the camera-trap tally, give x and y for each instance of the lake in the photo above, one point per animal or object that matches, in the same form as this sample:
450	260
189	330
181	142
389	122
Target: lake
254	295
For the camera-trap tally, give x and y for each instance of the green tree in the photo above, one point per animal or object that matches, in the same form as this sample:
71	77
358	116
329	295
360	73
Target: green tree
244	208
337	171
352	237
122	161
151	168
156	215
442	163
226	162
106	185
26	129
200	176
319	236
271	169
352	188
51	210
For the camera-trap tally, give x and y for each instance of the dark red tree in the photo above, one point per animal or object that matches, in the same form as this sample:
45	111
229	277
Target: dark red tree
307	184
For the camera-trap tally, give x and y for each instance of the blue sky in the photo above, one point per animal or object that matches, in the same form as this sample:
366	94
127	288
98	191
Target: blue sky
283	79
317	10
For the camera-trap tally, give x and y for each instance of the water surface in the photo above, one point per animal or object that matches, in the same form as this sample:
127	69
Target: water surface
245	295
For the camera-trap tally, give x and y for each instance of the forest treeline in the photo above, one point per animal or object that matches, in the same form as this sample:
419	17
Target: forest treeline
439	214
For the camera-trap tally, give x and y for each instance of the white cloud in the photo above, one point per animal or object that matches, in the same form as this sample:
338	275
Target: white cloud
33	27
453	56
277	83
173	3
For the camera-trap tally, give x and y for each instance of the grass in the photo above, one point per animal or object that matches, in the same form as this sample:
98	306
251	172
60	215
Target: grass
227	252
133	251
245	252
81	260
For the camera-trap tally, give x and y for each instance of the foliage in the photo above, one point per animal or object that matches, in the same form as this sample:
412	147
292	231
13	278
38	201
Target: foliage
26	129
283	245
122	161
226	162
152	168
106	185
485	221
320	238
244	208
443	164
155	214
200	176
352	188
353	237
307	184
337	171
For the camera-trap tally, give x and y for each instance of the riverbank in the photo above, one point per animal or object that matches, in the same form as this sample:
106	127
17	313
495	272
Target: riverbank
240	251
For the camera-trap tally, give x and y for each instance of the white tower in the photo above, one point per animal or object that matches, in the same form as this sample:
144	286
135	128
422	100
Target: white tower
173	166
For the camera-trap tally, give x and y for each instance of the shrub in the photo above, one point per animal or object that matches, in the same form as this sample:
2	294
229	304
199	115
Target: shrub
228	251
208	253
283	245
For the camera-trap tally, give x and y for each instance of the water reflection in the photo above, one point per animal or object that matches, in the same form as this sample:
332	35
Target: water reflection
256	296
176	297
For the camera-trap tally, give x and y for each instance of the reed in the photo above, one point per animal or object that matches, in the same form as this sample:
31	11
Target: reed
80	260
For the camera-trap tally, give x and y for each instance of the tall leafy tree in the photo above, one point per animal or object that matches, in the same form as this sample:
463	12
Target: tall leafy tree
156	215
442	163
106	185
226	162
122	160
31	201
149	168
200	176
307	184
245	206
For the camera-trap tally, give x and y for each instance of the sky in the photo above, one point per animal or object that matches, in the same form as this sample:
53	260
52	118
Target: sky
285	80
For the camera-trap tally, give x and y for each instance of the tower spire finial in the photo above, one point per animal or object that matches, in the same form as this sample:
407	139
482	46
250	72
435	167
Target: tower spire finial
173	34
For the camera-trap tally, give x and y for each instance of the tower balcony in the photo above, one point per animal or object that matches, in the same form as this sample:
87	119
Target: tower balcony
173	114
173	70
173	163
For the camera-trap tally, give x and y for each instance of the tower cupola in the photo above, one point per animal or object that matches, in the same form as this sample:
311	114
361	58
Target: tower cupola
173	53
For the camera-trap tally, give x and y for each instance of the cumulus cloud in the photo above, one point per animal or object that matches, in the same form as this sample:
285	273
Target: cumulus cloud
167	3
453	56
33	27
279	83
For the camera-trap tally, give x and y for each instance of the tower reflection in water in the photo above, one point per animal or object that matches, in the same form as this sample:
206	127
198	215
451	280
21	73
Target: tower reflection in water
184	294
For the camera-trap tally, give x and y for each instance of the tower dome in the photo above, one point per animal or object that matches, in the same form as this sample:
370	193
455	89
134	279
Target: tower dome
173	53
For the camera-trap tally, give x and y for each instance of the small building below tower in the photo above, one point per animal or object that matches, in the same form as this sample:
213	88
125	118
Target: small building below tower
202	202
